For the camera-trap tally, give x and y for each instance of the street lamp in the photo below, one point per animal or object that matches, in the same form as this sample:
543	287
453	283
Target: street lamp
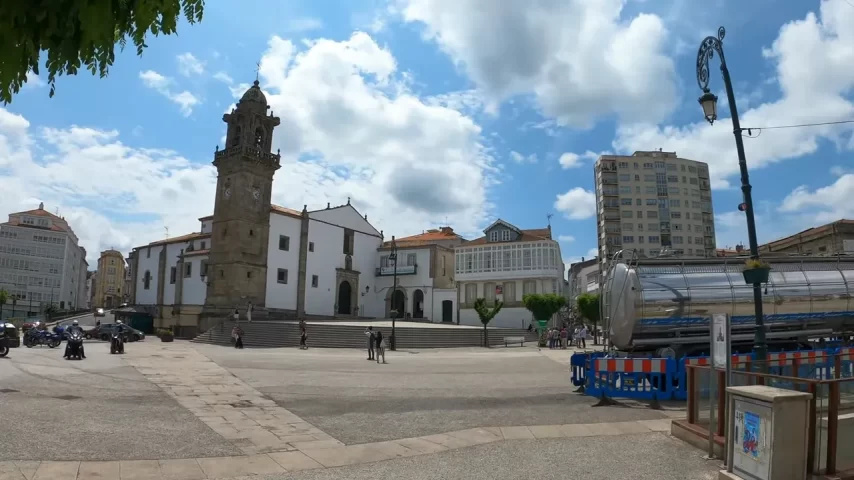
393	257
709	101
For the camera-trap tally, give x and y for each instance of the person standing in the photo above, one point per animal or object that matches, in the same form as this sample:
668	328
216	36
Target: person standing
249	312
236	316
380	346
369	333
563	337
582	336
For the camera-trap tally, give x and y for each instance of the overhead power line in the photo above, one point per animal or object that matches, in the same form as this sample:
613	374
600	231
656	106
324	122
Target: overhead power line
749	130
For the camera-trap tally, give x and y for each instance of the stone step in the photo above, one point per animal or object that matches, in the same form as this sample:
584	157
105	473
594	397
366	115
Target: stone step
279	334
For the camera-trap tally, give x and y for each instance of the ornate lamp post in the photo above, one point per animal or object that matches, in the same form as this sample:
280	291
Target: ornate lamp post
393	257
708	101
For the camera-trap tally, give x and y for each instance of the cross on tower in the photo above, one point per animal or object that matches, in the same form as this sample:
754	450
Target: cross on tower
257	70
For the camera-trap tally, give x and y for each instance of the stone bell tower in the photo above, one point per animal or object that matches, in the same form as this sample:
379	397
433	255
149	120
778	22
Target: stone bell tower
237	266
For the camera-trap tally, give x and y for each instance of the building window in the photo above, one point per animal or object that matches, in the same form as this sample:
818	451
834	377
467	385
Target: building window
628	239
310	246
203	268
493	236
148	252
529	287
282	276
146	280
251	233
348	241
471	293
509	292
204	245
626	213
384	261
284	243
188	270
314	281
410	259
654	239
625	201
489	293
248	274
442	264
505	236
172	275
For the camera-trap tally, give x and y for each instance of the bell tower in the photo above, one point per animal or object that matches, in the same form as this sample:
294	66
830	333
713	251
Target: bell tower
237	265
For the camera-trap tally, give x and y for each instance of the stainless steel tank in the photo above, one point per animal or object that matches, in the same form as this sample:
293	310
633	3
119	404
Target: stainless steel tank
649	304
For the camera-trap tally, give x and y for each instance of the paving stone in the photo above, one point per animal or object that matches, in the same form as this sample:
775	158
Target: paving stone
10	471
629	428
225	467
576	430
447	441
182	469
317	444
140	470
352	455
421	445
28	468
546	431
294	461
57	471
99	471
661	425
516	433
477	436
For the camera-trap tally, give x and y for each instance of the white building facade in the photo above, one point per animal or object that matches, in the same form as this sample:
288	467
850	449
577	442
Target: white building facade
503	265
584	277
41	263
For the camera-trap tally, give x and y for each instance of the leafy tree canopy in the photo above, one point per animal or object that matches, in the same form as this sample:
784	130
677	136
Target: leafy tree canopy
543	305
588	306
79	33
485	313
4	296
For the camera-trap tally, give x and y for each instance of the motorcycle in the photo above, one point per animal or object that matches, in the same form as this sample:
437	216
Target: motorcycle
74	347
4	341
36	337
117	343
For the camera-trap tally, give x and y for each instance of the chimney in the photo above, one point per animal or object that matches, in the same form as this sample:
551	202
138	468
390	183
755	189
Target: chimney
41	206
739	248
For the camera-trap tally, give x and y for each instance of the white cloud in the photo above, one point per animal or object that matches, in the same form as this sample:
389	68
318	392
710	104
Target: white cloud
576	204
303	24
815	72
223	77
519	158
566	238
184	99
189	65
822	205
582	60
349	129
574	160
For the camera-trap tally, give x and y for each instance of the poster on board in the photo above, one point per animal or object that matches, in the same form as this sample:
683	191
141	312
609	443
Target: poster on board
719	340
752	432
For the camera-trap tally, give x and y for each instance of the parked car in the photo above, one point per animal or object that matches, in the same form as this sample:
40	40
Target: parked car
99	312
106	329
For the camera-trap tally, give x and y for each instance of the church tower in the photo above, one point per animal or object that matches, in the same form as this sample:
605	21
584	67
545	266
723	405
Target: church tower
237	266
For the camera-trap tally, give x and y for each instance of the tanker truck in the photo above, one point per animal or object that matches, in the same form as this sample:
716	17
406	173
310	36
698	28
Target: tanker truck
663	305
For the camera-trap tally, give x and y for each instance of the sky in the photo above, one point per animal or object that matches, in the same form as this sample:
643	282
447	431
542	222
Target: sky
446	112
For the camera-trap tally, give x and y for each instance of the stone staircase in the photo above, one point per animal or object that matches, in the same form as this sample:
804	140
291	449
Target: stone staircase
268	334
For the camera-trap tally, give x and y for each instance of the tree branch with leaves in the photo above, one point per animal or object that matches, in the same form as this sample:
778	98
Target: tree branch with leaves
486	315
588	307
4	297
75	34
543	306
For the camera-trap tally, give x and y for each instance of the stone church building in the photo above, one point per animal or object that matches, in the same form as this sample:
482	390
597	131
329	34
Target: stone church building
286	262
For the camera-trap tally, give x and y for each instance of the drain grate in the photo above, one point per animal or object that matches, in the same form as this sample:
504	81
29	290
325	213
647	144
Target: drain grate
8	390
67	397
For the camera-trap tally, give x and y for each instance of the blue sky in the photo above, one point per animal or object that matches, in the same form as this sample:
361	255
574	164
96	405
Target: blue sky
432	112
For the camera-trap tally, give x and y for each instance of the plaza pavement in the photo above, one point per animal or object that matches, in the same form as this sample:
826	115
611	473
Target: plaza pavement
244	433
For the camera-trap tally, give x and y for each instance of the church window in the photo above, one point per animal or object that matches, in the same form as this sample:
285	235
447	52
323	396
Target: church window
146	279
251	233
259	137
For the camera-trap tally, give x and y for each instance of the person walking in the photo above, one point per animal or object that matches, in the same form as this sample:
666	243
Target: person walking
303	339
378	338
563	337
582	335
369	334
236	316
237	334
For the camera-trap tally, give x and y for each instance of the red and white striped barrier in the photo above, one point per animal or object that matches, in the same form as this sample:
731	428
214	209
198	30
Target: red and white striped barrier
706	361
631	365
846	354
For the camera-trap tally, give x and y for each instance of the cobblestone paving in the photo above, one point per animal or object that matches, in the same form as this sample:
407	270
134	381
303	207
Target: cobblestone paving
230	407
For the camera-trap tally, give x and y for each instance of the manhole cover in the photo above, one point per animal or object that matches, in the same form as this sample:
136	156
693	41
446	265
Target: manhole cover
8	390
67	397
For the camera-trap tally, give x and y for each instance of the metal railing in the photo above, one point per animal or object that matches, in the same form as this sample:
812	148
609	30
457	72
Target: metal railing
830	381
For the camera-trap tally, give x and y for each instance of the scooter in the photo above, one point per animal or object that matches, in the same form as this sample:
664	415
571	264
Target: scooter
117	343
74	347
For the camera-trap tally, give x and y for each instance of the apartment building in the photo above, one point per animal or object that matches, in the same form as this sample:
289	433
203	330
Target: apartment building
110	286
652	203
41	263
830	239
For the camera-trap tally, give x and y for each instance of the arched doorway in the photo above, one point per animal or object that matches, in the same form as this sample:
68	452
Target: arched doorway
398	303
344	298
418	304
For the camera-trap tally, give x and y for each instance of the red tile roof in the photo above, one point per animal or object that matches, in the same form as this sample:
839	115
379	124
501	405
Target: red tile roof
58	225
531	235
429	237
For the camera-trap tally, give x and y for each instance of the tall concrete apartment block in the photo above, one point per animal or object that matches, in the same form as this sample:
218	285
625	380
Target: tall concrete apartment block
654	203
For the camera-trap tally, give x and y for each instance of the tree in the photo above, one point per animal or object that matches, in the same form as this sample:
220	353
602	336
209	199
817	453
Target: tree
49	311
543	306
486	315
79	33
588	307
4	297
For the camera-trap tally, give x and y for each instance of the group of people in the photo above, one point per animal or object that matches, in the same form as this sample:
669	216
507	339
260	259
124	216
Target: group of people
559	338
237	334
376	344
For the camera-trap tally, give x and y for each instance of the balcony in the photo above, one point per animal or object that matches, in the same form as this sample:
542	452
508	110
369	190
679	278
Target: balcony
608	167
609	179
610	192
612	216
